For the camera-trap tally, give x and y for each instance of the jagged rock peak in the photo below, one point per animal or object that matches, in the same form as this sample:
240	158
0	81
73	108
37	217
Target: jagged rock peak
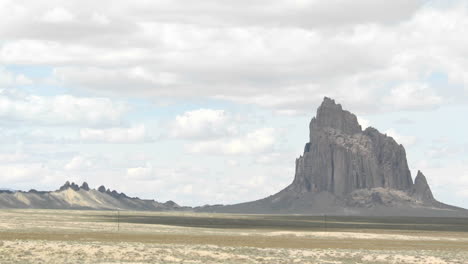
102	188
332	115
69	185
421	189
65	186
84	186
341	158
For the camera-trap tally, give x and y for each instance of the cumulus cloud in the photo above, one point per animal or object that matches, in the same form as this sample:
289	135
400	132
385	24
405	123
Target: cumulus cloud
9	79
202	124
33	135
12	157
26	172
83	162
253	142
279	54
60	109
141	173
285	158
58	15
195	185
135	134
218	132
413	96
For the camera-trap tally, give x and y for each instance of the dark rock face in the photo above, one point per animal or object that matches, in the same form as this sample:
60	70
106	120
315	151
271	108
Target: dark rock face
341	158
85	186
65	186
102	188
421	190
68	185
332	115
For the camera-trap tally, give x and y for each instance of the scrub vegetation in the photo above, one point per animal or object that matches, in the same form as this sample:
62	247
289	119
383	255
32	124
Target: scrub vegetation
61	236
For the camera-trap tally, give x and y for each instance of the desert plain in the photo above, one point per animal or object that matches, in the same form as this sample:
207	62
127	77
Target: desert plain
81	236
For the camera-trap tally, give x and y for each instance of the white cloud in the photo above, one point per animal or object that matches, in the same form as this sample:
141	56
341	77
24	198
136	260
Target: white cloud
445	150
12	157
58	15
60	109
281	13
413	96
202	124
233	163
100	19
190	185
80	163
9	79
266	56
253	142
283	158
135	134
141	173
26	172
30	134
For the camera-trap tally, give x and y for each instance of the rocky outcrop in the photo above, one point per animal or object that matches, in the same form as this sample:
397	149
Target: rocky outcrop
84	186
72	196
341	158
421	190
347	171
69	185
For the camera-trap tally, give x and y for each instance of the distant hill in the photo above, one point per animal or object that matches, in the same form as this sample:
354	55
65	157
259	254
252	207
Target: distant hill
72	196
345	170
7	190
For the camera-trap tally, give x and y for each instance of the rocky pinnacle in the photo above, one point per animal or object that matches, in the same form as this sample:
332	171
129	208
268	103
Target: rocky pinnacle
421	190
345	170
341	158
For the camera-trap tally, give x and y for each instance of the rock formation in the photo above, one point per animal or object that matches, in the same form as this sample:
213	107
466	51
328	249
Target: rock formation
72	186
72	196
341	158
420	190
345	170
84	186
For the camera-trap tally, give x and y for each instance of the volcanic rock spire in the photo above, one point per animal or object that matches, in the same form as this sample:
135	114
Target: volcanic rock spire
421	190
341	158
347	171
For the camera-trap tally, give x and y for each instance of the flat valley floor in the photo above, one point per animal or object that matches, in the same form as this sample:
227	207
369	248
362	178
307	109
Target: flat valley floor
69	236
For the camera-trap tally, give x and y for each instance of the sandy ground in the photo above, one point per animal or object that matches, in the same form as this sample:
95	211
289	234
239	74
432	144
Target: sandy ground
48	236
122	252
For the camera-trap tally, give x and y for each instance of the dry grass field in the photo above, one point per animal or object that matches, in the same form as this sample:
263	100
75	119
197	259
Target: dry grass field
60	236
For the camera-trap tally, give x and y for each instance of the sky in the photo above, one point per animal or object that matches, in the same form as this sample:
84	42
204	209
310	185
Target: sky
205	102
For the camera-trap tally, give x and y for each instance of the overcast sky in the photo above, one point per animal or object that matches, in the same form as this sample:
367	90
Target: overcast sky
209	101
